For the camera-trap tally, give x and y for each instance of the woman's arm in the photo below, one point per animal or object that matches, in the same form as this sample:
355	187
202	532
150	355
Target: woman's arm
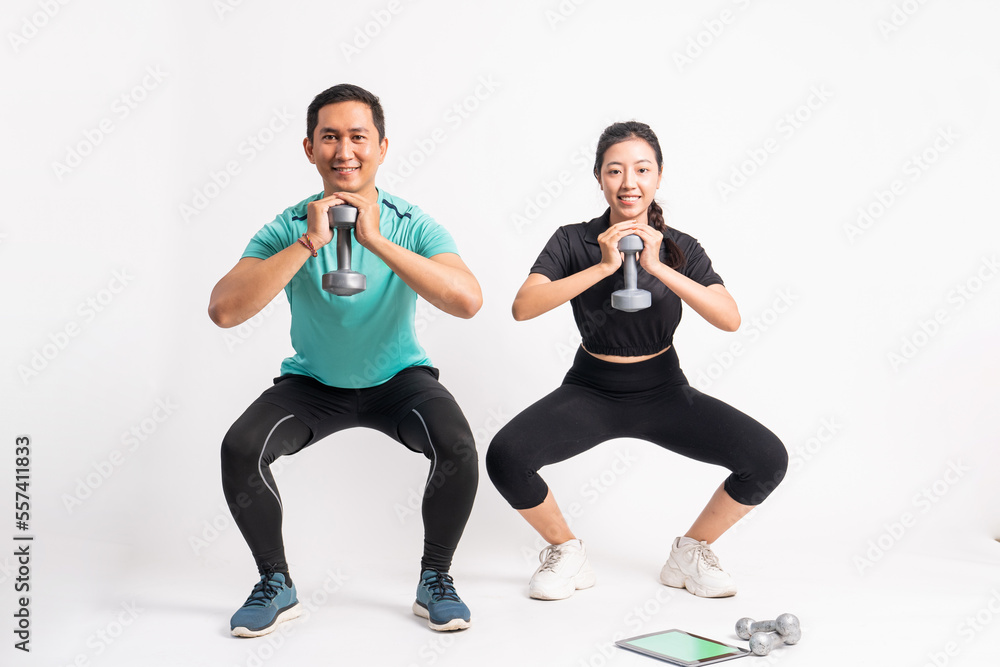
539	295
714	303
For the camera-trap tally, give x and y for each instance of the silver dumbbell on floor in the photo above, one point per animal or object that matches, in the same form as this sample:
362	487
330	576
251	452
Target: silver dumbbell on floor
765	635
783	625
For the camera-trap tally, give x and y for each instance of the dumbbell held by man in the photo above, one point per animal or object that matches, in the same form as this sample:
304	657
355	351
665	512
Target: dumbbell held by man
343	281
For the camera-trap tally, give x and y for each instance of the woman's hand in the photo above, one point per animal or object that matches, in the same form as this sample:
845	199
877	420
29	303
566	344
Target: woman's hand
611	257
652	239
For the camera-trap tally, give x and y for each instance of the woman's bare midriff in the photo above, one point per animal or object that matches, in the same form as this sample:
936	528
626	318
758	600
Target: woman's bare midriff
615	359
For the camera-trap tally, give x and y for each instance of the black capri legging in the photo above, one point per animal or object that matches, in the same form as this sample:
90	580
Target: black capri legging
650	400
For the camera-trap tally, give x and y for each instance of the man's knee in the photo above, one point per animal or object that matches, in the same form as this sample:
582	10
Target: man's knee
263	433
238	450
442	433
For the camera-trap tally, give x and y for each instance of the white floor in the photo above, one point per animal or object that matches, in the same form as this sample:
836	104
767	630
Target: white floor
869	340
911	607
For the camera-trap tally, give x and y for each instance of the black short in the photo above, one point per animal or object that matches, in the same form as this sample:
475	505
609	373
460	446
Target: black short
325	409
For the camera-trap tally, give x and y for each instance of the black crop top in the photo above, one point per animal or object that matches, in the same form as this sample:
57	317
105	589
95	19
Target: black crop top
605	330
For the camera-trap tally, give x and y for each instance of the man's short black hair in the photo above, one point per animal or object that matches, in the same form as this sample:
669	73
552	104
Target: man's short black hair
345	92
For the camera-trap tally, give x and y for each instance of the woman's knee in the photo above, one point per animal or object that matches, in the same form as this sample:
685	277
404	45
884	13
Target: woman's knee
765	471
507	468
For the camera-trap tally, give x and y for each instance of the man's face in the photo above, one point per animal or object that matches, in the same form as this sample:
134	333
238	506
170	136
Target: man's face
345	148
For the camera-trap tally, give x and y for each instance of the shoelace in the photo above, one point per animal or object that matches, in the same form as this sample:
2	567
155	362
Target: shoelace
550	557
263	592
442	587
708	557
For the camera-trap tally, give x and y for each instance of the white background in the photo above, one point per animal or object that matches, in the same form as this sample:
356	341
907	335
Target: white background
867	345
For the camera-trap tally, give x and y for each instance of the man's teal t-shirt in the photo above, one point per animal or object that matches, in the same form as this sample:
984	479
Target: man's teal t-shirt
360	340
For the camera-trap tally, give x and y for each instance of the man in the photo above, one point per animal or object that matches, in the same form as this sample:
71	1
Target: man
357	361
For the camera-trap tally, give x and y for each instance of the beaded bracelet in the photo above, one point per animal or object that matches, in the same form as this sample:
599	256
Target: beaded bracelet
307	243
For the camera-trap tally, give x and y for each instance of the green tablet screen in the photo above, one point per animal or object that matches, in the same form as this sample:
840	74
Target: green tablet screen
681	646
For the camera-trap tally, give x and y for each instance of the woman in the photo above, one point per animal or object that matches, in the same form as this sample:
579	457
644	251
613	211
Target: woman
625	380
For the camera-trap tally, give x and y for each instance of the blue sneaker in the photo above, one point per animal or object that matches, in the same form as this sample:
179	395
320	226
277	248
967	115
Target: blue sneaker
270	603
438	602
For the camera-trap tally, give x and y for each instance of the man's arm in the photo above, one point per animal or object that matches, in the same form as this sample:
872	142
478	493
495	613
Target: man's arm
253	282
443	279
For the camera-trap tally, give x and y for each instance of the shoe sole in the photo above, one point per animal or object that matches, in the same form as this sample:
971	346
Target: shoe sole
670	576
453	624
581	581
286	614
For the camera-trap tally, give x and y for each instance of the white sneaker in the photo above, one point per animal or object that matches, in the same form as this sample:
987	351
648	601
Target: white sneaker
693	566
563	571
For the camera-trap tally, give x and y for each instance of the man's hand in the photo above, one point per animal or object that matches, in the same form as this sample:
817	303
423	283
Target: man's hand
318	218
366	230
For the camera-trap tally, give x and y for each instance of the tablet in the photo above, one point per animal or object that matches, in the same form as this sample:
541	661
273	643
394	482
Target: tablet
682	648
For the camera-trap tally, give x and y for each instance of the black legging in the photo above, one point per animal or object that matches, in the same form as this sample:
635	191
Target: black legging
436	427
650	400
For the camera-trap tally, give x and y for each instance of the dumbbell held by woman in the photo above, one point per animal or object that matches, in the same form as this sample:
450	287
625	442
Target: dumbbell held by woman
631	298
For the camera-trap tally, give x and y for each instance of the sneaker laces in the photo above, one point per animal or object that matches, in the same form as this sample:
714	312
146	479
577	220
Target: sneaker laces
263	591
441	586
550	557
708	557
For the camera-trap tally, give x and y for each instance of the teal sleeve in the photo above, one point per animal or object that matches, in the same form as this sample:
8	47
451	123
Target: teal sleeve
274	237
430	237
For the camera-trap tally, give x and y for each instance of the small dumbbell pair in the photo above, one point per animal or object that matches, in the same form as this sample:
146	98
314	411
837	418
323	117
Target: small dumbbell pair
765	635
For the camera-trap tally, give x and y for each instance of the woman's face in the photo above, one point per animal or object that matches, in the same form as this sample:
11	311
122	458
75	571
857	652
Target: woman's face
629	179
